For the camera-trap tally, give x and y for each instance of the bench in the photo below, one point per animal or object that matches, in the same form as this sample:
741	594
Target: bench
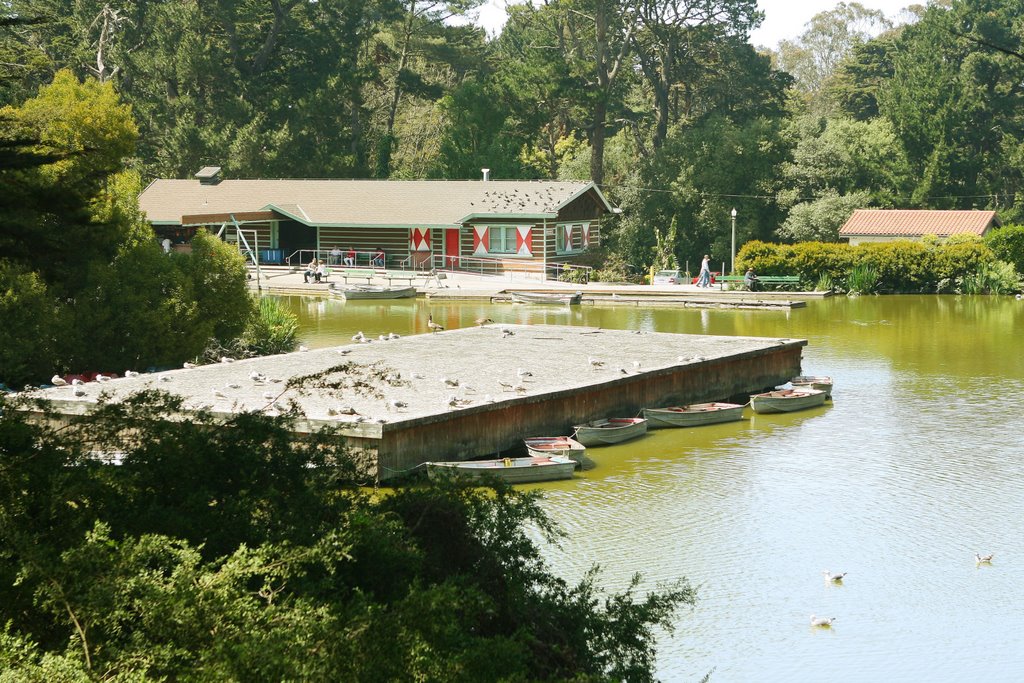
723	280
406	275
347	273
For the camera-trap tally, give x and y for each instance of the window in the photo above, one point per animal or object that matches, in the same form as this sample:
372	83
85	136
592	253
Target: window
501	239
564	236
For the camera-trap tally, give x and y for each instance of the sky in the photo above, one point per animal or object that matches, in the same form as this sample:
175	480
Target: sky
784	19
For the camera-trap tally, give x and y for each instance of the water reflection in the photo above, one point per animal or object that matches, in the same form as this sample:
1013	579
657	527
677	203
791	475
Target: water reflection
913	469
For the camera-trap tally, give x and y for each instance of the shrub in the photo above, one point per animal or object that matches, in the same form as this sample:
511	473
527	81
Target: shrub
997	278
271	330
863	279
1007	243
30	327
766	258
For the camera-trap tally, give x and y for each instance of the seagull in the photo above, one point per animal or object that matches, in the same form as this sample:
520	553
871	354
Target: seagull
219	394
523	373
257	376
468	389
303	348
189	366
432	326
383	337
232	385
983	559
332	412
418	375
834	578
397	405
358	336
450	382
347	410
131	373
165	378
507	332
269	395
226	359
344	352
823	622
103	378
76	381
78	390
505	386
482	321
519	389
595	363
392	335
58	381
623	371
636	364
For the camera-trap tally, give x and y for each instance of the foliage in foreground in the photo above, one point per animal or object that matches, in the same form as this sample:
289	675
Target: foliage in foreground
240	553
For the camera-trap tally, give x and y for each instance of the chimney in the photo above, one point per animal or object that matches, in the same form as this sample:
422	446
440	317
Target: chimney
209	175
487	174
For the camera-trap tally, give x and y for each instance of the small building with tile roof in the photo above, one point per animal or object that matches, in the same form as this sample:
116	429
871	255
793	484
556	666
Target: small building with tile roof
887	225
418	223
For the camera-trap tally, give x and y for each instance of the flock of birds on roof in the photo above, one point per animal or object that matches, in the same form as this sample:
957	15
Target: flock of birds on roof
543	199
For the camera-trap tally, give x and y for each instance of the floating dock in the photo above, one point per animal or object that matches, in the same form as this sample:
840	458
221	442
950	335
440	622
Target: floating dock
465	393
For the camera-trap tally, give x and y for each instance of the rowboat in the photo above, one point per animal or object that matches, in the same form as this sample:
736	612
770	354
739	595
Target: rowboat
564	446
819	382
610	431
550	299
372	292
508	470
693	415
786	400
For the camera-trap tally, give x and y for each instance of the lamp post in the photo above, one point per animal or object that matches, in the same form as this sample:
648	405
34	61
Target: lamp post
732	264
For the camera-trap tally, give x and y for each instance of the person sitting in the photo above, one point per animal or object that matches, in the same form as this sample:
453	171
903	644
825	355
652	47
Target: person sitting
321	272
378	258
350	257
311	272
750	280
335	256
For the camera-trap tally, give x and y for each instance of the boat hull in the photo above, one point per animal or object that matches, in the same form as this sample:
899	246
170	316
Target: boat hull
611	431
564	446
548	299
508	470
821	383
787	400
360	293
694	415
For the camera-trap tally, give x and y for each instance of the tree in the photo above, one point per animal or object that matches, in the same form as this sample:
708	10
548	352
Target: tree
819	220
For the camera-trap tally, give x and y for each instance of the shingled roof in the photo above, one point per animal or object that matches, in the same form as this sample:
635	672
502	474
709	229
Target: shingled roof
915	223
366	202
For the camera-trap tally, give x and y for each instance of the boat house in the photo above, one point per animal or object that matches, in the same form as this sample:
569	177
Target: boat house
417	223
887	225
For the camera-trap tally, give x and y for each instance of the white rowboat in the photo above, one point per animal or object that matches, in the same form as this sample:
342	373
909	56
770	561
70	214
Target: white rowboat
358	292
693	415
508	470
819	382
550	299
610	431
786	400
565	446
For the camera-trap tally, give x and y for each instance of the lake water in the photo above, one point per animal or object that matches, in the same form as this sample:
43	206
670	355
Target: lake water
914	467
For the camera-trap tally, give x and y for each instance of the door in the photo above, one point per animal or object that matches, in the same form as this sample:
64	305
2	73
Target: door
451	248
293	236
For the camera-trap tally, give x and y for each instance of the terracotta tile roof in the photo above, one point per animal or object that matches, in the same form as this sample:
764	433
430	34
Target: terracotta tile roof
362	202
915	223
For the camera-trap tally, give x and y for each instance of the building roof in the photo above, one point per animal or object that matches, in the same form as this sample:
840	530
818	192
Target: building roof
366	202
915	223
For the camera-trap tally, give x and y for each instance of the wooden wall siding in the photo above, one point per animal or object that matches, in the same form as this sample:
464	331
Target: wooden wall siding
583	208
394	241
264	231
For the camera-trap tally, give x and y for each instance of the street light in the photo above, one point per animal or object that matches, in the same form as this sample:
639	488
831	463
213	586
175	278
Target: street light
732	266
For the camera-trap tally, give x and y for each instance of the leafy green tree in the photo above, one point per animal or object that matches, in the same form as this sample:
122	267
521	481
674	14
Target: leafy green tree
1007	243
819	220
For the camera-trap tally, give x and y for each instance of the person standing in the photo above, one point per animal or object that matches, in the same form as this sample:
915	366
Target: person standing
704	279
166	244
335	256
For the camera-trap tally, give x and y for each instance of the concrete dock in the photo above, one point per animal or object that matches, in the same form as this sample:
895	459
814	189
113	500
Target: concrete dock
464	393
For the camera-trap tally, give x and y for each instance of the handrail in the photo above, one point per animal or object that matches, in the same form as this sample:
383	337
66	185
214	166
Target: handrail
497	266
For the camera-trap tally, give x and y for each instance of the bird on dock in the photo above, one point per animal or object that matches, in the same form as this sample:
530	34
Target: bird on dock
623	371
359	337
505	386
418	375
523	373
257	376
480	322
131	373
519	389
77	381
344	352
226	359
983	559
455	402
637	364
232	385
834	578
103	378
165	378
303	348
392	336
432	326
507	332
269	395
822	622
58	381
78	390
217	393
450	382
382	337
189	366
397	405
595	363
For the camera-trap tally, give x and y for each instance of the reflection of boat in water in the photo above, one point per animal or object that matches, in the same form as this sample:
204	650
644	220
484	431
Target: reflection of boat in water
786	400
546	446
693	415
550	299
819	382
610	431
508	470
357	292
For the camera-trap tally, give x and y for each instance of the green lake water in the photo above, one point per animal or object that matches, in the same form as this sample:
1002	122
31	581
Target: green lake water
914	467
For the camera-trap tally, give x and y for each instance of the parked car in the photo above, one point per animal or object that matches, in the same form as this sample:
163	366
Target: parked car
667	277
